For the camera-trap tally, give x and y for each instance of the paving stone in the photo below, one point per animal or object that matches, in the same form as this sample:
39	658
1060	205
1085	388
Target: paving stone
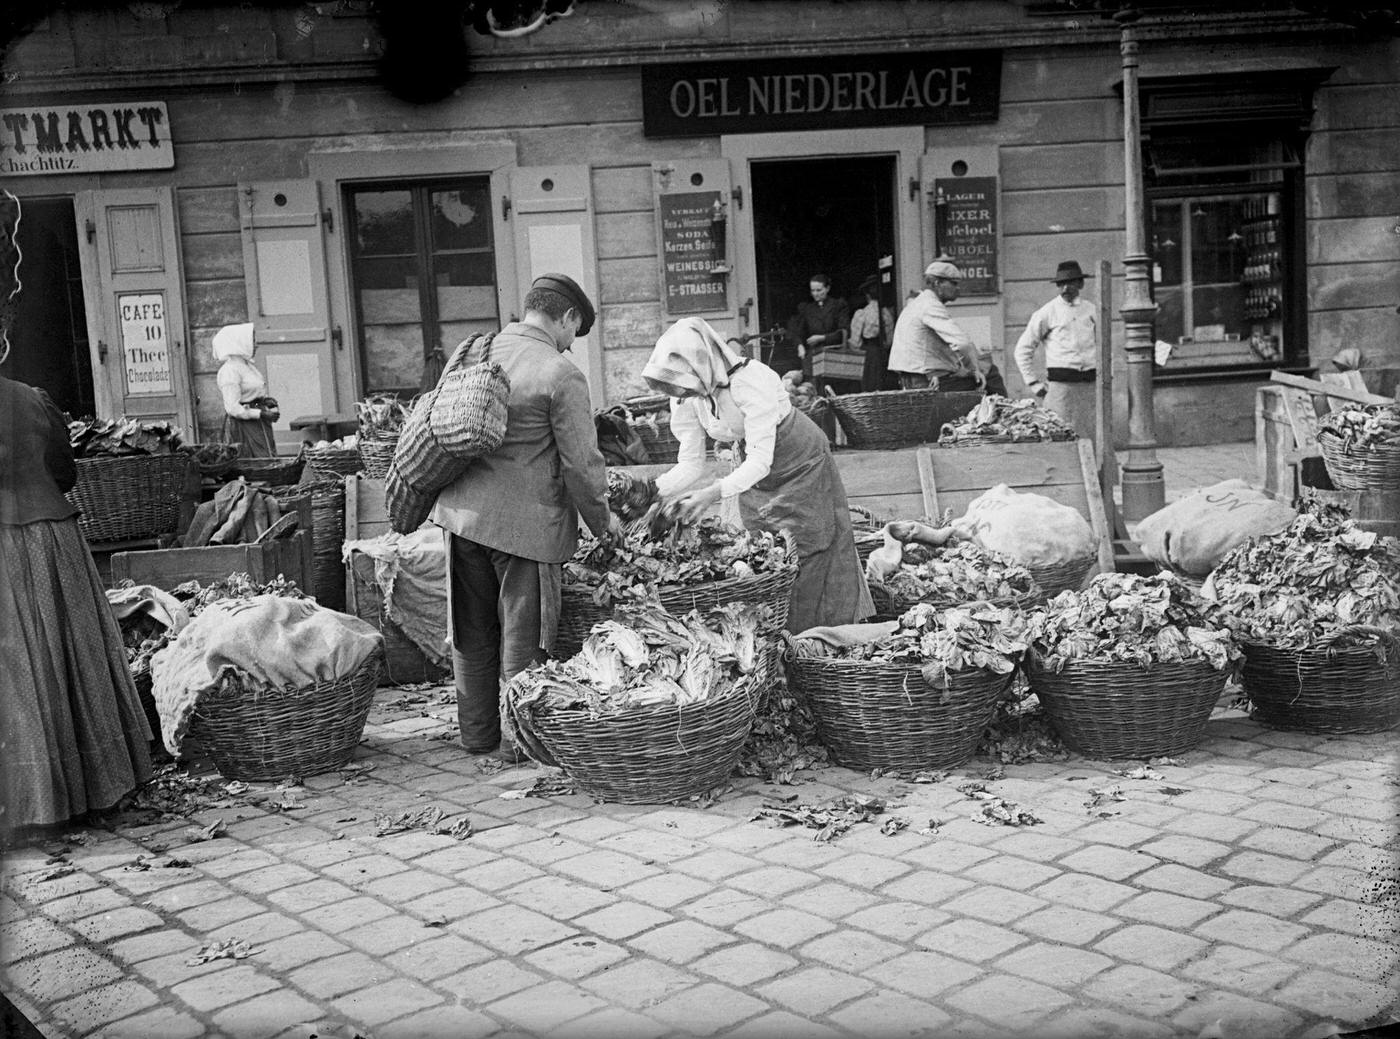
160	1023
337	975
802	854
1083	891
458	857
489	981
1362	807
748	838
576	958
900	921
592	829
998	904
716	864
1009	871
61	974
263	1015
434	957
315	893
92	1010
386	1002
83	903
970	940
863	870
1340	914
681	942
1141	990
268	879
1275	901
449	904
668	890
51	892
785	928
608	1023
1252	930
1100	1023
1012	1003
365	869
743	965
650	844
31	937
772	882
168	970
498	874
706	1009
1343	999
1335	881
1169	910
150	944
216	914
1244	969
1055	964
1360	957
513	929
340	917
814	990
723	908
559	897
292	951
1274	813
1066	924
1263	868
549	850
381	937
923	973
851	950
1231	1014
955	856
1105	861
1183	880
830	900
607	867
1212	827
622	920
1118	832
639	984
1190	851
1151	946
926	886
223	863
220	988
889	1014
779	1024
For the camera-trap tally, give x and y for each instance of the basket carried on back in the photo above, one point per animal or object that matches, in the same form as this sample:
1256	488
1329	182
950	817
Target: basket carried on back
129	497
1120	709
1354	467
1337	689
647	754
262	735
275	472
337	461
874	714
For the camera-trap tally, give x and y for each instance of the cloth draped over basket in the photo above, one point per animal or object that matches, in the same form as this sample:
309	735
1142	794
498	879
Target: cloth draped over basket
411	573
267	641
460	419
148	600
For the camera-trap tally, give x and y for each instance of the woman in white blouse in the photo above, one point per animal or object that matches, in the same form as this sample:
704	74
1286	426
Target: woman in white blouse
248	411
787	479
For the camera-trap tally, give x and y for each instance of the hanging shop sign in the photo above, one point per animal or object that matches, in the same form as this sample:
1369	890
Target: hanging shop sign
965	211
145	346
839	93
692	252
95	138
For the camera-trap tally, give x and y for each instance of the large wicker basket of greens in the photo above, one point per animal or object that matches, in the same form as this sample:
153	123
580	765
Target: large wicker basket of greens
951	574
1317	609
915	694
1361	446
131	478
650	710
1000	420
1129	667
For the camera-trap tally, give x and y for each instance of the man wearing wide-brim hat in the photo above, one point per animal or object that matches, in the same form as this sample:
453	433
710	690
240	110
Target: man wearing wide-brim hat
1067	327
928	348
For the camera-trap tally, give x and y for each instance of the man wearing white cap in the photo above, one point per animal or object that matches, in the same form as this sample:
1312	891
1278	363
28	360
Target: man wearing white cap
928	349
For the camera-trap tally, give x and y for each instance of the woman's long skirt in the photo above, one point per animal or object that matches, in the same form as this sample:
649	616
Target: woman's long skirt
73	736
803	494
253	436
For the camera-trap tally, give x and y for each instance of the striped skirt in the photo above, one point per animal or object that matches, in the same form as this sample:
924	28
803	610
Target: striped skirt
73	736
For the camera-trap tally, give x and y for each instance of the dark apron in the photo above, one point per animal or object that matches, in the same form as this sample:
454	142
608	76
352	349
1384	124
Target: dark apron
253	435
803	494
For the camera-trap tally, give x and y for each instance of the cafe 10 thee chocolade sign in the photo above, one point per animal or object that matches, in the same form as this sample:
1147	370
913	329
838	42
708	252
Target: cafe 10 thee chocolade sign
728	97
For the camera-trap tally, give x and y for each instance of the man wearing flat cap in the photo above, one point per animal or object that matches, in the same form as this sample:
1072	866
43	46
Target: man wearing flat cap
1067	327
929	350
512	518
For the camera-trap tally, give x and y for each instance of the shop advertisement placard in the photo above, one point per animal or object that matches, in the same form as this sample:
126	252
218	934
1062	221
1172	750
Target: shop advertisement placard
145	345
966	217
690	252
829	93
86	138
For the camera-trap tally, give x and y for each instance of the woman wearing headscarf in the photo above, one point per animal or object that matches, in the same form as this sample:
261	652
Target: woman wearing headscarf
73	736
787	479
248	411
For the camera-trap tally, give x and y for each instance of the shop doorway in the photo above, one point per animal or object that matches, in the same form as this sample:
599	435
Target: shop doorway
49	341
834	215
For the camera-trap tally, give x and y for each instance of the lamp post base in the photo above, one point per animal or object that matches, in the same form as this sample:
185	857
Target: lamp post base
1144	490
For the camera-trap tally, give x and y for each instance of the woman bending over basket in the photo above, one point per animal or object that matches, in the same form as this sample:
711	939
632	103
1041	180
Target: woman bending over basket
73	736
787	479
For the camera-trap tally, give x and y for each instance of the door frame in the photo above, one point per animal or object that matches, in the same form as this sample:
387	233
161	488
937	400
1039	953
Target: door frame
905	143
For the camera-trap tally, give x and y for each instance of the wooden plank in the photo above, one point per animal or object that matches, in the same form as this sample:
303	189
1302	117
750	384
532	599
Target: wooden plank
1098	519
1302	416
928	486
1317	386
1346	380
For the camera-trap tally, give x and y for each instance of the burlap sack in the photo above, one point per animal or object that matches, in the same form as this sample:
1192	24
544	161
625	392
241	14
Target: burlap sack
1192	534
1028	528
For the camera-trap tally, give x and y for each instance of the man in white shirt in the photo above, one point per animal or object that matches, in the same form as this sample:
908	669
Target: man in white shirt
1067	327
928	349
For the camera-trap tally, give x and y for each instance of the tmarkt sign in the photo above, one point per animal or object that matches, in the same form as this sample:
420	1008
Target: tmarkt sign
44	139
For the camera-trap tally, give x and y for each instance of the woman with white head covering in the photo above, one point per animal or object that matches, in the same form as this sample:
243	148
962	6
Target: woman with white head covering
248	411
787	479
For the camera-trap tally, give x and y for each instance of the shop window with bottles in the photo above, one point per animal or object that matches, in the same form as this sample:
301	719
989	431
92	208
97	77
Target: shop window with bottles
424	275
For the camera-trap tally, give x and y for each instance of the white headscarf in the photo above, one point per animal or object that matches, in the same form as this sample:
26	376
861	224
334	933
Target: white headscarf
692	355
234	341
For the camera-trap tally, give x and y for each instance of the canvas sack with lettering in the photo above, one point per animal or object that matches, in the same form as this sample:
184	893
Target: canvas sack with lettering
1192	534
1027	528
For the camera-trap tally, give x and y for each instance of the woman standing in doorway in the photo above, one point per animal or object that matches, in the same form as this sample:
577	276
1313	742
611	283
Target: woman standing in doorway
248	411
787	479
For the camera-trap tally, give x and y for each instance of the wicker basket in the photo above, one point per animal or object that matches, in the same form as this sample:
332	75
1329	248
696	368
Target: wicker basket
327	493
888	605
981	439
1116	709
898	418
1353	468
1336	690
883	715
404	662
337	461
275	472
649	754
131	497
376	454
269	734
663	446
868	531
141	678
1061	577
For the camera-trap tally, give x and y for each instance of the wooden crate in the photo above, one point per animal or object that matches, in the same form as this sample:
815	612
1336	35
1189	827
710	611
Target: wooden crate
838	364
1285	433
167	567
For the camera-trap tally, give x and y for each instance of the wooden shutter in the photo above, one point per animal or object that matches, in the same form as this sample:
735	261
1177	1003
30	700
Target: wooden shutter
284	271
134	293
551	218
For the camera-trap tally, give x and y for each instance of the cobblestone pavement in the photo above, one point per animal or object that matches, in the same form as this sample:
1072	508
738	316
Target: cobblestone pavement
1250	891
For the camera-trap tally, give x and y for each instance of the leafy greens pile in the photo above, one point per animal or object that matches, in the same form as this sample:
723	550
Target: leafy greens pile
1131	618
116	438
654	657
1365	425
961	638
635	567
998	416
1315	583
381	414
961	573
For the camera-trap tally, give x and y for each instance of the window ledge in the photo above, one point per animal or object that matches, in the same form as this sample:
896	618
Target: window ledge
1251	373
